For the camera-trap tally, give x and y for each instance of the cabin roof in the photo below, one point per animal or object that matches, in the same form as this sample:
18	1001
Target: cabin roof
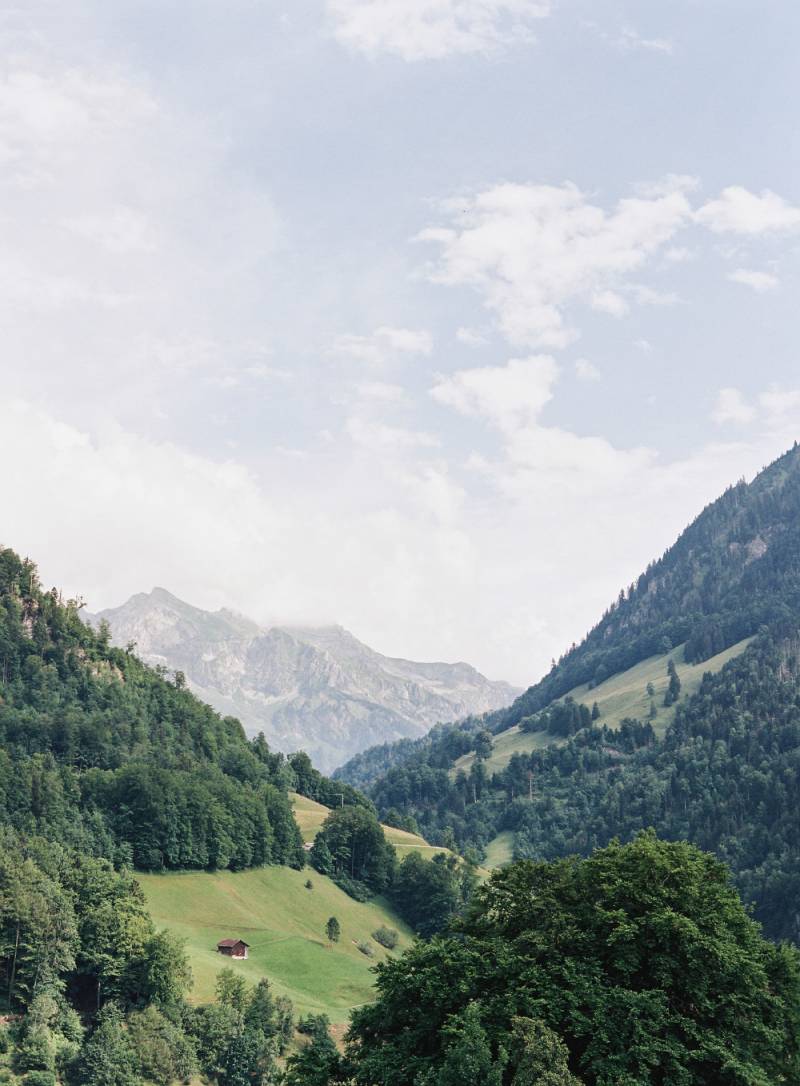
232	942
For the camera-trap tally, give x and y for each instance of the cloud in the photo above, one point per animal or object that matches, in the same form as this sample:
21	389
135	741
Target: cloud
532	251
586	371
608	301
731	406
739	211
631	40
759	281
470	337
383	344
377	436
779	404
121	272
510	396
434	29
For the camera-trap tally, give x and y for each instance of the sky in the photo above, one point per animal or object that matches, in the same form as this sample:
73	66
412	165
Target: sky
438	319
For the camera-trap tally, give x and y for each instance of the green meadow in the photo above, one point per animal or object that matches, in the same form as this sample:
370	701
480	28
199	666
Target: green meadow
621	696
284	923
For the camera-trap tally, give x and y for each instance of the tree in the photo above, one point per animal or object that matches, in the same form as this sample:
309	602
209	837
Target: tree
109	1057
320	856
483	745
674	686
540	1056
467	1053
315	1065
640	957
595	711
333	930
358	847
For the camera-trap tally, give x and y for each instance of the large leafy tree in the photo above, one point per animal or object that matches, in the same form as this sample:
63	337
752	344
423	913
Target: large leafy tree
357	846
641	960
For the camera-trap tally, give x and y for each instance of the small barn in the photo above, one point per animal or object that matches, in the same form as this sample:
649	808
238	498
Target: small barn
233	948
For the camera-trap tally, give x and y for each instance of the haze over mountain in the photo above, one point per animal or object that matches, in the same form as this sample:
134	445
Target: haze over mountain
318	689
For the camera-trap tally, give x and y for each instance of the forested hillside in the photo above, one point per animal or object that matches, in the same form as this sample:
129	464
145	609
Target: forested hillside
106	755
726	771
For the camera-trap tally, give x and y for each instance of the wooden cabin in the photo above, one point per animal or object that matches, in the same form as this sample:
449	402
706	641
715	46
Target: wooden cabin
233	948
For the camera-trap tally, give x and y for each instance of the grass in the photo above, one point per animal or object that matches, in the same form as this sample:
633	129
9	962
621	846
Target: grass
625	695
621	696
284	923
310	815
500	851
505	745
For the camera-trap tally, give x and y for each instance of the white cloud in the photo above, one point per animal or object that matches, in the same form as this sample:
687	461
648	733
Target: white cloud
779	403
433	29
470	337
631	40
384	343
510	396
608	301
531	251
586	370
381	392
759	281
378	436
121	271
739	211
731	406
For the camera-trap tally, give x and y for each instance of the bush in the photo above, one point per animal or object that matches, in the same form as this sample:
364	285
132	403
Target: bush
4	1042
359	891
314	1025
40	1078
309	884
386	937
366	948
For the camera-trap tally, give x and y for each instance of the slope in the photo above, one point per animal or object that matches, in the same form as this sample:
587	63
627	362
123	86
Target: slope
720	768
734	569
318	689
102	753
284	923
309	816
621	697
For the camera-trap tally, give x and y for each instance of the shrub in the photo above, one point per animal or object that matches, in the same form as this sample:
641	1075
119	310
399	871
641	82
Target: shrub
313	1025
366	948
309	884
40	1078
359	891
386	937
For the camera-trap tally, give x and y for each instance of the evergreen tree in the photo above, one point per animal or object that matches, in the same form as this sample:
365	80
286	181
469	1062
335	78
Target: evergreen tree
674	687
333	930
109	1056
318	1064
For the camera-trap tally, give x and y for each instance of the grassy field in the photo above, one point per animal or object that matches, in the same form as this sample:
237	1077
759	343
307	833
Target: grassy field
310	815
621	696
284	923
505	744
500	851
625	695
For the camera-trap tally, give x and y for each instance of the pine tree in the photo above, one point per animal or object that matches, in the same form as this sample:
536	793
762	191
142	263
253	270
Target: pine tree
674	687
333	929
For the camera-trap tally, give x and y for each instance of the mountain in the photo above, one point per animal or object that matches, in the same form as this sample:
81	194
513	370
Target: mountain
680	711
318	689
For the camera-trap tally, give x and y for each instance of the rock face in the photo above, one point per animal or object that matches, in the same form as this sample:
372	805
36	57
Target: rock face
316	689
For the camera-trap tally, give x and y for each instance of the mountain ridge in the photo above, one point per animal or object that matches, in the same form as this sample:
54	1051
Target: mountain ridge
319	689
